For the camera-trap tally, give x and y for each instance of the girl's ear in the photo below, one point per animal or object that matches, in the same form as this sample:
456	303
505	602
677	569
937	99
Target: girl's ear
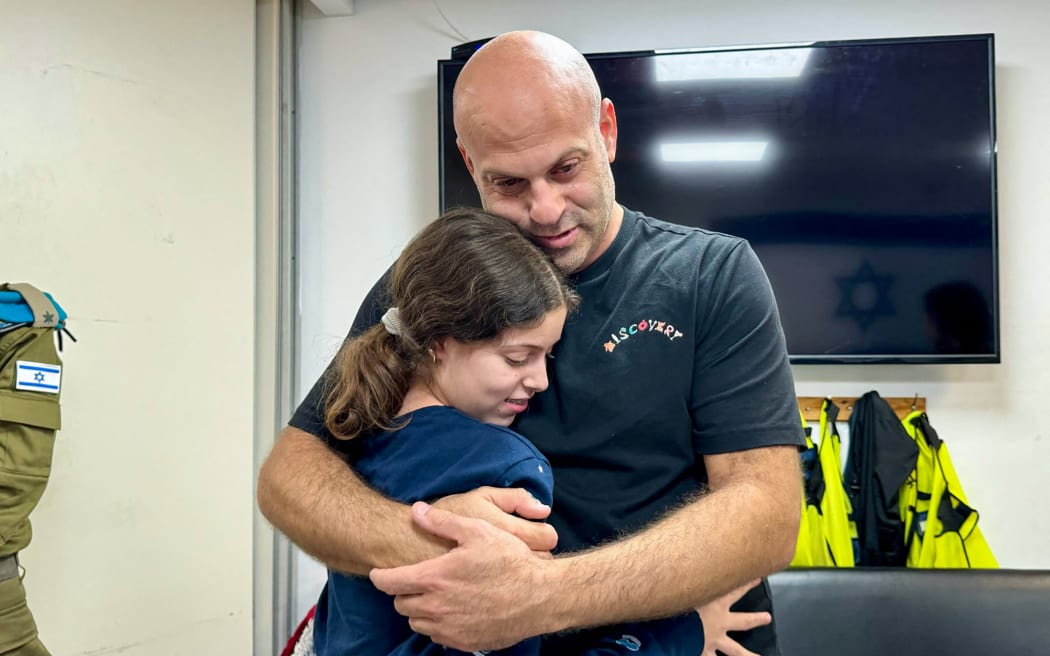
437	350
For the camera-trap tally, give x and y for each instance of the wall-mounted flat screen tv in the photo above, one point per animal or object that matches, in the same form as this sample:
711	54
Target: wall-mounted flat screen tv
862	173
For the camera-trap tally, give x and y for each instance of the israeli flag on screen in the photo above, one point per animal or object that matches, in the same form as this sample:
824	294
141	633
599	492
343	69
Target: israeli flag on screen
38	377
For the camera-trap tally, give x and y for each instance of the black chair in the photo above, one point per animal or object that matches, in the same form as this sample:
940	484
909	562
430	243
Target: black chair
912	612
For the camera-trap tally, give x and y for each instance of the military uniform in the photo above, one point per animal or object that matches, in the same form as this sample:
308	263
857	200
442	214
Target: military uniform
30	382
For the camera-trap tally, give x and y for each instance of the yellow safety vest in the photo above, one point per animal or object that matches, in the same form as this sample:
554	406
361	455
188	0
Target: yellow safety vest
948	537
826	534
808	545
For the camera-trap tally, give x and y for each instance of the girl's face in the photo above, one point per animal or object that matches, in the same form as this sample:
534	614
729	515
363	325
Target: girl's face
493	381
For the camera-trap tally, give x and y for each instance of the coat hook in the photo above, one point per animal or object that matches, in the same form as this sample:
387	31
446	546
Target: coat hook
915	402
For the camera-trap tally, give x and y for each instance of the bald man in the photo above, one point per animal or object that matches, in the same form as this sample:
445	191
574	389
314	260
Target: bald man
670	419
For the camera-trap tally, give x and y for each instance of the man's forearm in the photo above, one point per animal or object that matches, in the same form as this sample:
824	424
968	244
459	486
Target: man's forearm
744	528
491	591
308	493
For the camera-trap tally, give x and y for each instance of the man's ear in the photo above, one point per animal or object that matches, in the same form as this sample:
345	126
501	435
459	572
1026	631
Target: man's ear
607	127
466	158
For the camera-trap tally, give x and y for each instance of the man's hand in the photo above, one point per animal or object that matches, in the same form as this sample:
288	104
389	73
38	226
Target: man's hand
509	509
486	593
718	621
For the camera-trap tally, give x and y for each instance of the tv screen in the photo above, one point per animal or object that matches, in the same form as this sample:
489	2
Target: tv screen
861	172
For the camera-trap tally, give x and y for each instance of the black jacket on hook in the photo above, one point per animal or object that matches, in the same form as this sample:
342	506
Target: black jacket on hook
881	456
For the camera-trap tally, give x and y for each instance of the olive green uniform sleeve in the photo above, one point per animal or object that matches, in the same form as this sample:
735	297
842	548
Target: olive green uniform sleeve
28	422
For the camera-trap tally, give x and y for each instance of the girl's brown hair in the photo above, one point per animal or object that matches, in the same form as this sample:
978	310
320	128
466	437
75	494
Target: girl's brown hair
468	276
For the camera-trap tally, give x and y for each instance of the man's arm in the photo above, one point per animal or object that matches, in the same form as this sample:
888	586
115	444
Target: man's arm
310	494
744	527
490	593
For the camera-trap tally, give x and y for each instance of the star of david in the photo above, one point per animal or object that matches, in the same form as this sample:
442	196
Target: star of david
39	377
865	296
49	318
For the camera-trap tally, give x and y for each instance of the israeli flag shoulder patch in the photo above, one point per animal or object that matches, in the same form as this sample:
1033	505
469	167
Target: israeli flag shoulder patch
38	376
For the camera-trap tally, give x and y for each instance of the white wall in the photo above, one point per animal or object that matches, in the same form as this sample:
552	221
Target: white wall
126	189
369	180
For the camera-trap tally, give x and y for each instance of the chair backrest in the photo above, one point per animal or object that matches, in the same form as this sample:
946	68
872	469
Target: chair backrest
912	612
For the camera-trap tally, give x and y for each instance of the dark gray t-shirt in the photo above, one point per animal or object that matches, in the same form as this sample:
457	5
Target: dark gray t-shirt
676	352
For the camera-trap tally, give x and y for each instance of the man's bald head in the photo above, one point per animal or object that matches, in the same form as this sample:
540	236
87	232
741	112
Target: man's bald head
539	141
517	72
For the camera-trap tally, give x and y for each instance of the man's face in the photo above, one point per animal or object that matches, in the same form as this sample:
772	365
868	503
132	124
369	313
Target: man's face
550	175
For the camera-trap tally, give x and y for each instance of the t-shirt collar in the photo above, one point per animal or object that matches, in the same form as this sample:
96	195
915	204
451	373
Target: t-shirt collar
606	259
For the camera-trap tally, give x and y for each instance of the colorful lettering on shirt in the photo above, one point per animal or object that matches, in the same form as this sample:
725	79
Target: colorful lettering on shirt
644	326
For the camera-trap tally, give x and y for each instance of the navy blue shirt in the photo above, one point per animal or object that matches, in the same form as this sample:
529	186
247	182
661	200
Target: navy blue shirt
440	451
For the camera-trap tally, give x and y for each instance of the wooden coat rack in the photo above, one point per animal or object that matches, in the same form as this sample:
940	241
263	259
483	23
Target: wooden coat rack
902	405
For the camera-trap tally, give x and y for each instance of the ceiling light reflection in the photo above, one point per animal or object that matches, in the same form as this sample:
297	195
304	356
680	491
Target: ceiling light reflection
713	151
785	62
